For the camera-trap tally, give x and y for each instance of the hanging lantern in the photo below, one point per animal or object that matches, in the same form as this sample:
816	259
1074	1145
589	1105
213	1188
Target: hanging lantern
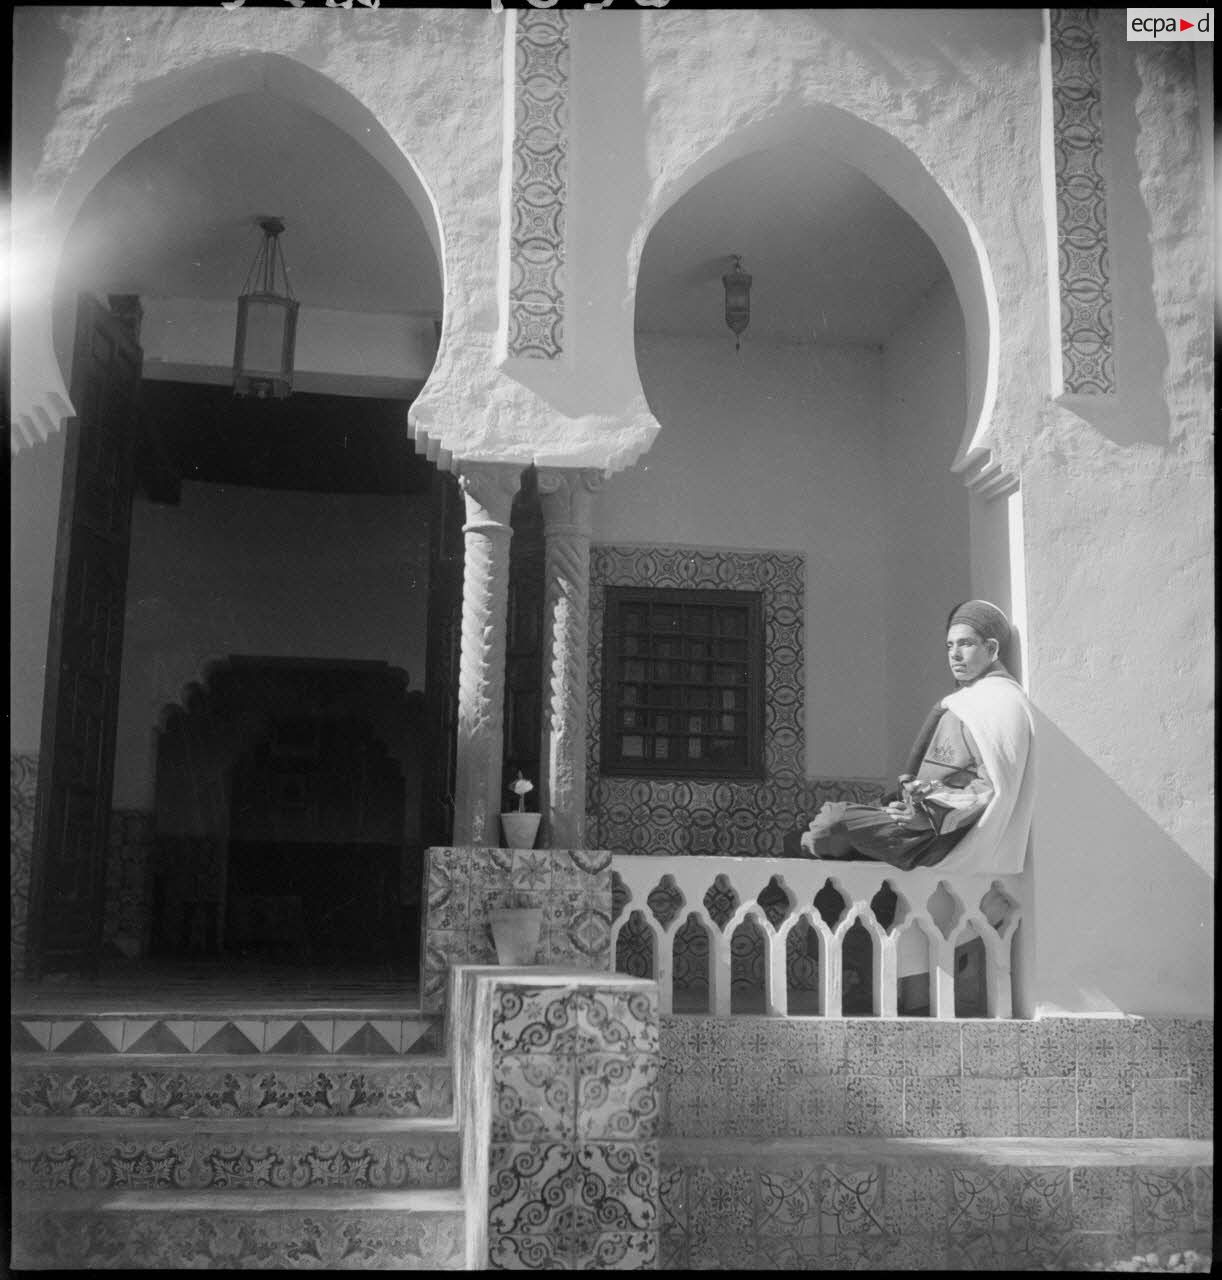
267	323
738	299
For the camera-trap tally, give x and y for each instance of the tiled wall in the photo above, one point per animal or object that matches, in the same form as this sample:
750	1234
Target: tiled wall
913	1077
23	784
573	1157
464	885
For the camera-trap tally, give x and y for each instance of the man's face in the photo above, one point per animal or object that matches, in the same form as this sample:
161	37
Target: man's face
969	656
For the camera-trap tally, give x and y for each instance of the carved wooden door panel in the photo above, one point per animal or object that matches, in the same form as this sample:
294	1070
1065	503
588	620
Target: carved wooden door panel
76	762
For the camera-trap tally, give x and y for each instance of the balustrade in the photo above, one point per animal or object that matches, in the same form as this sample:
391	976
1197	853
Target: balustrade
787	935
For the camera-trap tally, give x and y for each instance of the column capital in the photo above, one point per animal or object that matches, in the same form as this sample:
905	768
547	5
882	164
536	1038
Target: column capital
565	494
489	489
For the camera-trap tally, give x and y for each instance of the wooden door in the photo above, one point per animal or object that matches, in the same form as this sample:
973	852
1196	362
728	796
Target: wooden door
76	760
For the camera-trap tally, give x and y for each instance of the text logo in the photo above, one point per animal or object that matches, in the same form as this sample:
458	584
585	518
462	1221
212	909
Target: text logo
1169	24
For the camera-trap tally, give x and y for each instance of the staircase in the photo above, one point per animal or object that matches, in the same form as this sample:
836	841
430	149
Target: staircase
237	1137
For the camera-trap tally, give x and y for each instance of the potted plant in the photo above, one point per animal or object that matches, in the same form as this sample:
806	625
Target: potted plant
515	930
520	828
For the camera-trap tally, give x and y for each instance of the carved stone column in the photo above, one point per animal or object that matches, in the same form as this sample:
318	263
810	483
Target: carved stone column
566	496
488	489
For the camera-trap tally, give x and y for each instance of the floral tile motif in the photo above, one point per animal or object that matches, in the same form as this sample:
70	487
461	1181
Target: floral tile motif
1048	1107
874	1048
933	1048
617	1097
915	1198
790	1200
533	1099
615	1187
1107	1047
720	1200
816	1107
1163	1200
979	1201
990	1107
1105	1107
1039	1201
933	1108
694	1106
1044	1249
990	1048
613	1251
1201	1108
850	1199
874	1105
1102	1199
721	1251
1161	1108
1048	1047
530	1188
978	1251
1161	1048
533	1020
613	1020
1200	1037
527	1253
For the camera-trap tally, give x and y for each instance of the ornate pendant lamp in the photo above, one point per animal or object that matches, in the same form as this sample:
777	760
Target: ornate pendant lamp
738	299
267	323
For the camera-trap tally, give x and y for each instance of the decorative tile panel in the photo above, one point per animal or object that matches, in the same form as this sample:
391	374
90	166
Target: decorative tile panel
23	787
539	185
462	885
1082	239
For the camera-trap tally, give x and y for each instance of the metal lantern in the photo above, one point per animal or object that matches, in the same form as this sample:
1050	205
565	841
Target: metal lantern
267	323
738	299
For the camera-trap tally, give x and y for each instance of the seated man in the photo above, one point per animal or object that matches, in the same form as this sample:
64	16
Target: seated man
965	801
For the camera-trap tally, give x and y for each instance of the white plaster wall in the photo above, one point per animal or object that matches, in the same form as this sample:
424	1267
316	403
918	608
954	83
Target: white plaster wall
925	509
236	570
777	448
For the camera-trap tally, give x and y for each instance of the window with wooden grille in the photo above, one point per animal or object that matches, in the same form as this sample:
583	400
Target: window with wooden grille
683	683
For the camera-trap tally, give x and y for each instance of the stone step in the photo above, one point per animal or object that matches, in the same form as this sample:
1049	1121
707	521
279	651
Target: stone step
260	1155
332	1229
147	1086
885	1203
225	1031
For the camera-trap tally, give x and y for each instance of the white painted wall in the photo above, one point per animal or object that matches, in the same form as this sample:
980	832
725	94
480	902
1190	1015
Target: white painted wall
925	511
777	448
235	570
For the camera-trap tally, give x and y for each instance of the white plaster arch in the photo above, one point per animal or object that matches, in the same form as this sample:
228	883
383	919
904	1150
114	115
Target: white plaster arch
898	171
41	372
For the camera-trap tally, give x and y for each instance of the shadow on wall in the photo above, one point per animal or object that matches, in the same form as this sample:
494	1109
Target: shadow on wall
1123	914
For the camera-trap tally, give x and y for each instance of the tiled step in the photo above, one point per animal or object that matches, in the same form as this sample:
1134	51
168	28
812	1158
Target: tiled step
226	1031
259	1155
334	1229
136	1086
886	1203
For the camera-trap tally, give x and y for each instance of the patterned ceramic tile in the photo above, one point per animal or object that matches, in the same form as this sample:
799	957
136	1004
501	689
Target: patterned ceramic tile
615	1186
820	1046
1203	1196
1200	1037
1161	1108
1045	1249
885	1253
694	1106
1106	1047
720	1200
933	1108
721	1251
1163	1200
874	1105
1048	1048
533	1099
979	1201
978	1251
1102	1199
990	1107
933	1048
790	1197
534	1020
672	1196
672	1251
915	1198
874	1048
816	1107
1105	1107
850	1199
1201	1108
1039	1201
990	1048
530	1188
612	1020
1161	1048
1048	1107
527	1253
617	1097
613	1251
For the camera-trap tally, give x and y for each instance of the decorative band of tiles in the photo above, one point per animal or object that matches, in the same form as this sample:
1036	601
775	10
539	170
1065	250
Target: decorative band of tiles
1082	241
540	180
122	1034
23	786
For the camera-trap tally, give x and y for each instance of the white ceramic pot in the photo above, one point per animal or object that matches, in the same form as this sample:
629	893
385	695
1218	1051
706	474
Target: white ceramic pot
515	930
521	829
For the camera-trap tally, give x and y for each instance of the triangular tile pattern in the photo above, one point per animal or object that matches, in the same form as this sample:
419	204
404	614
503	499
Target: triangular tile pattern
159	1038
368	1040
298	1039
23	1041
87	1037
228	1039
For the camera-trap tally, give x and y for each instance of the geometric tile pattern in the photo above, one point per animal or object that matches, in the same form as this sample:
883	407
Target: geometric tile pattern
149	1089
204	1035
573	1156
464	885
539	185
760	1077
321	1237
23	786
879	1206
742	818
1082	245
